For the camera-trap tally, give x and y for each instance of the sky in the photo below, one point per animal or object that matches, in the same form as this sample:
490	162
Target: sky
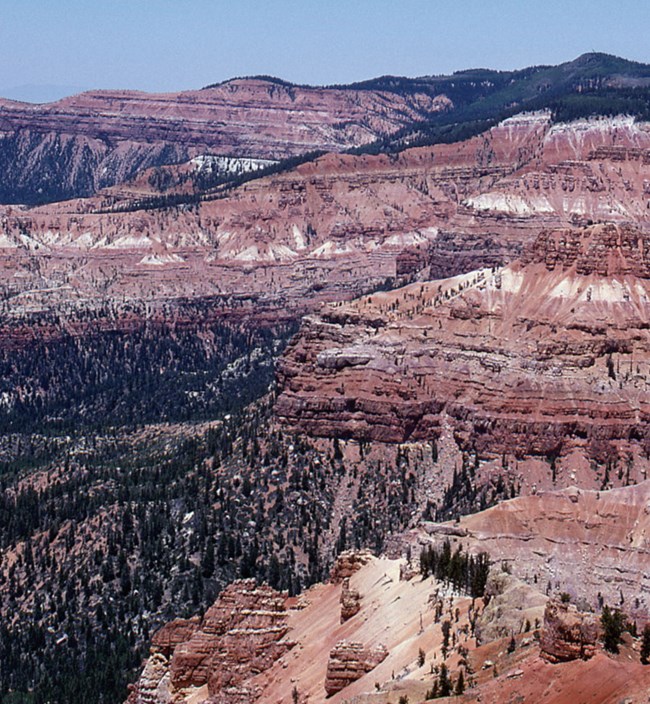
169	45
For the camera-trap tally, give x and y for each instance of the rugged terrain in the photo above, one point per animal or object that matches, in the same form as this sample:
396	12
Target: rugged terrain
335	227
476	329
80	144
539	368
513	642
97	139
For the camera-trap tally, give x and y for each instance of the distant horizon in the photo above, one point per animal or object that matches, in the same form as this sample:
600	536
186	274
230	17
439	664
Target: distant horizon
169	46
45	93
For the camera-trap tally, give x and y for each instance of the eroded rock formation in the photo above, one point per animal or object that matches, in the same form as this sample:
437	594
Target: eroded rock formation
331	228
593	545
512	604
242	634
349	562
537	359
350	601
568	634
99	138
348	661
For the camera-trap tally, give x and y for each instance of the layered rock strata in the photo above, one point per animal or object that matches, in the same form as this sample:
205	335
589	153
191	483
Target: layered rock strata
347	563
593	545
331	228
99	138
541	358
350	601
568	634
241	635
349	661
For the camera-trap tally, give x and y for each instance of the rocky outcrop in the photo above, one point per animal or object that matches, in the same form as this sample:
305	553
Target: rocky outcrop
242	634
329	229
604	250
75	146
349	562
350	601
568	634
593	545
511	606
348	661
536	359
153	685
166	639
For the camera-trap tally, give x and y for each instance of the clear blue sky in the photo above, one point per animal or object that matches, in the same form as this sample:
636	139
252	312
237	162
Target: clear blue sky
176	44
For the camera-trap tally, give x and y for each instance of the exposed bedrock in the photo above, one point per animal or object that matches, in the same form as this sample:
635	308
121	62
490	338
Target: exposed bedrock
76	145
242	634
539	358
568	634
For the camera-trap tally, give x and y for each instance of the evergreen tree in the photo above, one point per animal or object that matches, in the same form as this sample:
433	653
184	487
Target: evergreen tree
460	684
207	562
444	684
645	645
613	623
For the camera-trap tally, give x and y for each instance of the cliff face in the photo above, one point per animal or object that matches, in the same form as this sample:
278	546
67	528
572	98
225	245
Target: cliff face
80	144
593	545
391	646
331	228
323	659
544	358
567	633
241	635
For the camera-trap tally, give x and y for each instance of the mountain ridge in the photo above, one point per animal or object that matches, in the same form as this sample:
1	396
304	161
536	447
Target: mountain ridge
82	143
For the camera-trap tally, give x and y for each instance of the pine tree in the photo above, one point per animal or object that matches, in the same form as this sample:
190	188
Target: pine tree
613	623
444	685
460	684
645	645
207	563
433	692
